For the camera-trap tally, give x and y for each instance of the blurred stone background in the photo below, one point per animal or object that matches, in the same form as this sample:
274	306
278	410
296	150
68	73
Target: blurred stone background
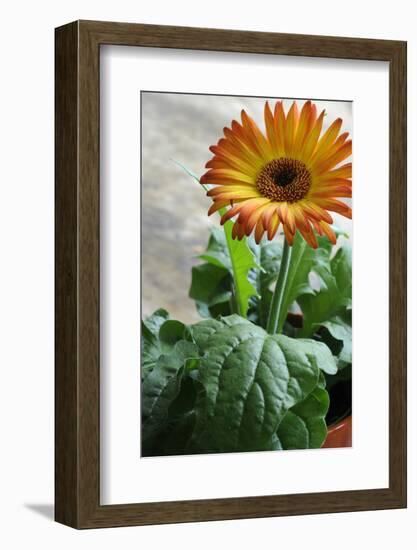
175	224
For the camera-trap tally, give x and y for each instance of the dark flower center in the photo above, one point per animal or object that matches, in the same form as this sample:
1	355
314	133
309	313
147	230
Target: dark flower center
284	179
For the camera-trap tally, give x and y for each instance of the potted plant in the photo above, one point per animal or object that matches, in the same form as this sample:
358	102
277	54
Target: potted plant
269	365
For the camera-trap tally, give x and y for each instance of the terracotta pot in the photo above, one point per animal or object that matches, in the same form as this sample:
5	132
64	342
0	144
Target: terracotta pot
339	434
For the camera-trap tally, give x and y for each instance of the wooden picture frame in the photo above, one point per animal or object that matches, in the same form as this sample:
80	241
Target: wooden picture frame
77	405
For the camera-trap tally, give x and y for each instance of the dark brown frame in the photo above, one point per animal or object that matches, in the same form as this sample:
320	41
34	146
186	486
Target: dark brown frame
77	373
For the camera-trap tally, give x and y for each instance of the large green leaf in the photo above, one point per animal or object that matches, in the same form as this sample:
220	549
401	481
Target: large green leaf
226	385
249	380
304	426
334	296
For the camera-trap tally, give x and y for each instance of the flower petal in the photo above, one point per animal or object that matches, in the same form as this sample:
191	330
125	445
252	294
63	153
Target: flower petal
279	125
259	232
235	195
336	206
311	141
222	175
341	154
328	231
255	136
216	206
288	235
219	189
309	236
270	128
267	214
344	171
231	212
249	207
273	226
315	212
253	219
302	130
328	138
291	125
238	231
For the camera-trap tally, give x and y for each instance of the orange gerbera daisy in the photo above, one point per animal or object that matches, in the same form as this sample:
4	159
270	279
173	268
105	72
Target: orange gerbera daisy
290	176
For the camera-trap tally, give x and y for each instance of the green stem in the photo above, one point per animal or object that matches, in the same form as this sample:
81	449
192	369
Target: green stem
276	304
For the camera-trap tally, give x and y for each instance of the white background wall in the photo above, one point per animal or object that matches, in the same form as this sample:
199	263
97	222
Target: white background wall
26	273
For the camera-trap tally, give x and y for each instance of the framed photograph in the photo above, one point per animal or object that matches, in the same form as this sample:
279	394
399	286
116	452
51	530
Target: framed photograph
230	274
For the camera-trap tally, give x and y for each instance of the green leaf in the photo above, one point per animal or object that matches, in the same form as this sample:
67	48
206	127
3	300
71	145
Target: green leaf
162	385
246	382
334	296
181	419
176	430
339	330
171	332
303	260
216	252
150	343
159	334
304	426
322	381
242	260
153	322
225	276
321	354
210	287
249	379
